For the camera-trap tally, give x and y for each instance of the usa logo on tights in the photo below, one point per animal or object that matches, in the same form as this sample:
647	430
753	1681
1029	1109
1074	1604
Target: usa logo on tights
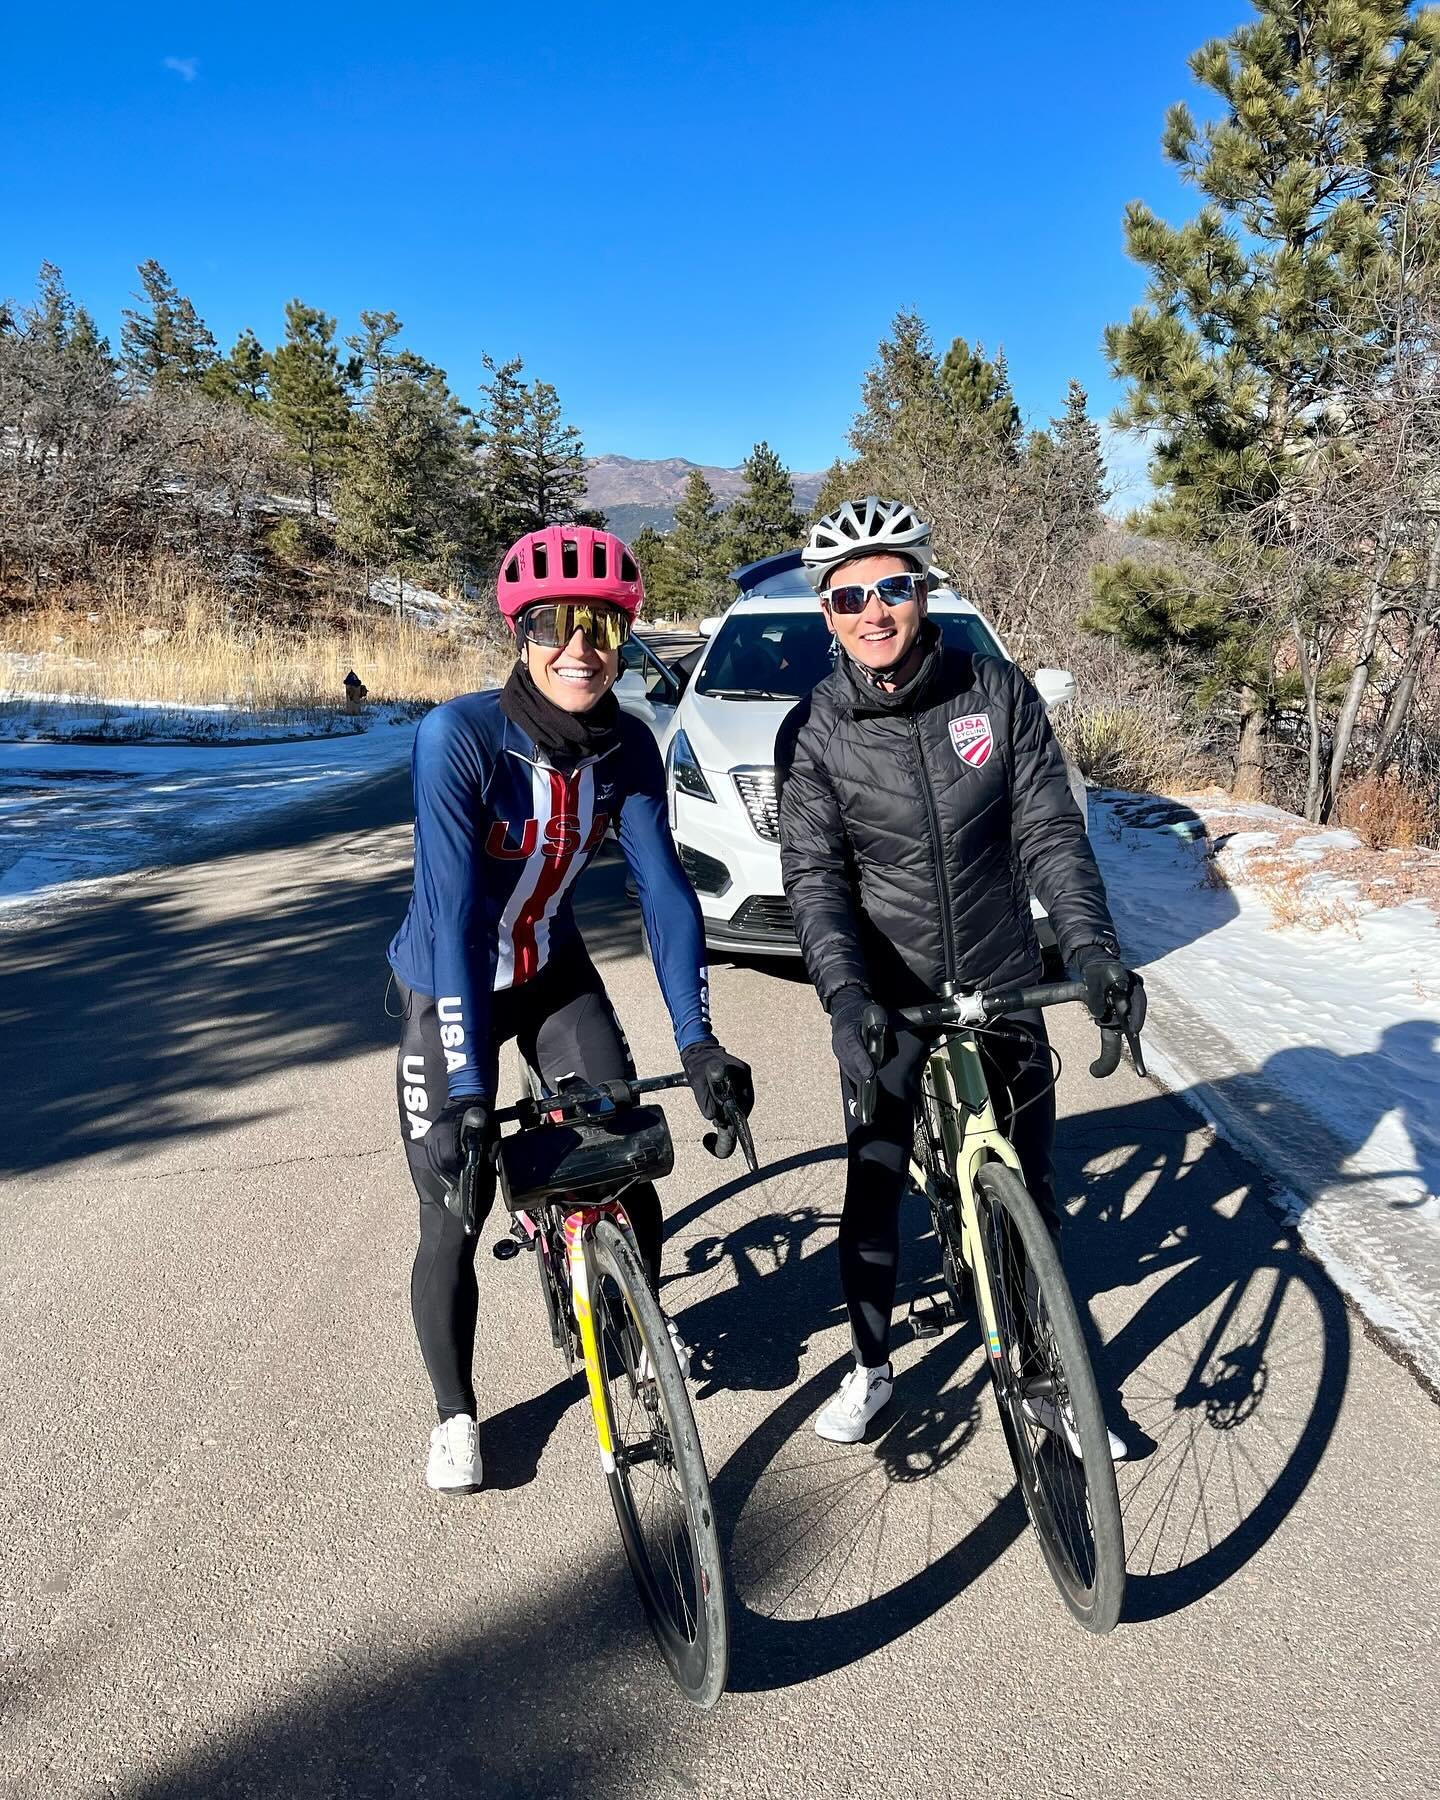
973	739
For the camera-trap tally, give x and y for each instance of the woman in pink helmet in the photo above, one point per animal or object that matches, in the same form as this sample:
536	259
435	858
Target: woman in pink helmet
515	790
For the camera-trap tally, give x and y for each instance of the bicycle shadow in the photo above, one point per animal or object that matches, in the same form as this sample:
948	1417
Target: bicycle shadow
514	1440
1234	1364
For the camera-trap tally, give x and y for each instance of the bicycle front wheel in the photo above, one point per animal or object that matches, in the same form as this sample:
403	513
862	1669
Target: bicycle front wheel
1049	1405
660	1487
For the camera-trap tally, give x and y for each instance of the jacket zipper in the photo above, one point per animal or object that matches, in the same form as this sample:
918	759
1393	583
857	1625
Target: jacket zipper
942	879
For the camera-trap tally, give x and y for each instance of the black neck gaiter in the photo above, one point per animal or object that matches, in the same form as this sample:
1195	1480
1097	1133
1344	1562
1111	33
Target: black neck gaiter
564	737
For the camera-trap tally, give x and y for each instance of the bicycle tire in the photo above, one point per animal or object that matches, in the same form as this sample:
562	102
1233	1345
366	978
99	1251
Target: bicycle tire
1078	1524
694	1637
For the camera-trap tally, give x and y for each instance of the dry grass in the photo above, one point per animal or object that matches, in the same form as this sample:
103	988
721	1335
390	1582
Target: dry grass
1385	813
1118	745
175	643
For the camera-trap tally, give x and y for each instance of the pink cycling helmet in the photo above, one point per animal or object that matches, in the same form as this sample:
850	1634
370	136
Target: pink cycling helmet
568	563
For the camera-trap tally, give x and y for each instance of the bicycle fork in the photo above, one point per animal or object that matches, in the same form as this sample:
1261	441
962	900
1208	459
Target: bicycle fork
578	1226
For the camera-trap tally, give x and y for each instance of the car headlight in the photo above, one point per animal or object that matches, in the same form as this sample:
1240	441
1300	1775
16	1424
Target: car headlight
685	772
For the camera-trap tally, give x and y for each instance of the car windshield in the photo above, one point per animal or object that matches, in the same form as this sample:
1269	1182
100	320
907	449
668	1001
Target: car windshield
781	656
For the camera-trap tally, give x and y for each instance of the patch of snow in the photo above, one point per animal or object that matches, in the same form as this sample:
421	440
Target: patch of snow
63	718
1316	1051
72	814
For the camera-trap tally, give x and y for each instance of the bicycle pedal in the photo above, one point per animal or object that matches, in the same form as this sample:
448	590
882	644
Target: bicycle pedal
929	1315
504	1249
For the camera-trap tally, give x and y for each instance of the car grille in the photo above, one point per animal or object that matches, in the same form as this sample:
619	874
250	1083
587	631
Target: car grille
756	788
766	915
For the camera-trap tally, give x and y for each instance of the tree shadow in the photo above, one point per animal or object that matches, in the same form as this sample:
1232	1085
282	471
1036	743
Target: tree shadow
121	1015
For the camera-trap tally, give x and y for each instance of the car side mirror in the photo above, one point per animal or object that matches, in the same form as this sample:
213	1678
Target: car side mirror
1055	686
707	627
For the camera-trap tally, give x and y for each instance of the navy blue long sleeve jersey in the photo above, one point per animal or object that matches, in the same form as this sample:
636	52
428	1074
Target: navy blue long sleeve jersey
500	839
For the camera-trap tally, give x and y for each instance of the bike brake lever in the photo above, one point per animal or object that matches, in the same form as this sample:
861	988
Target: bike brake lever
873	1026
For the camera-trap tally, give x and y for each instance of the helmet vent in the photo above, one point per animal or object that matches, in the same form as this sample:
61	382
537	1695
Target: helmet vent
540	562
599	562
569	559
512	569
628	571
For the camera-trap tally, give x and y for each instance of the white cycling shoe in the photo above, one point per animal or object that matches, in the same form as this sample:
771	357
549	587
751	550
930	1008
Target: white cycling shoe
1059	1421
862	1394
453	1465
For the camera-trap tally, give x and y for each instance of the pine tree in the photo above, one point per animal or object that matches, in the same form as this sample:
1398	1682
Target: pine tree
500	437
402	499
243	376
310	398
763	520
168	344
1067	464
1254	306
554	458
655	557
980	392
697	548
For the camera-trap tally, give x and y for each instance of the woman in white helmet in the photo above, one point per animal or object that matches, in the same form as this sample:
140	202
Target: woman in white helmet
923	799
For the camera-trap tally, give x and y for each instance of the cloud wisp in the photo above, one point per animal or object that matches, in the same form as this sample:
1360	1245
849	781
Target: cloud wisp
186	67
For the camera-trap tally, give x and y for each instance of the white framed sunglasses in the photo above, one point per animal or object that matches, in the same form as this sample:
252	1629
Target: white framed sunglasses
891	590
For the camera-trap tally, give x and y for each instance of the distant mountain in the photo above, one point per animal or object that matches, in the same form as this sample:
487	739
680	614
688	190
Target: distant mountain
632	492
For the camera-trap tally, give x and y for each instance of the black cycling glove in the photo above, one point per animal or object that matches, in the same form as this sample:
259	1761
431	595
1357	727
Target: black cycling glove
443	1149
1116	995
847	1037
716	1077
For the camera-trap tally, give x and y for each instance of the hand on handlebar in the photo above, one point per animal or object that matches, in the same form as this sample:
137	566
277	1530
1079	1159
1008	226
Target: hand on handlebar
725	1092
1116	998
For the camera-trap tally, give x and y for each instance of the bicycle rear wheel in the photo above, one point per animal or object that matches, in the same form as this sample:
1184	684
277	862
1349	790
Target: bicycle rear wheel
1049	1405
660	1488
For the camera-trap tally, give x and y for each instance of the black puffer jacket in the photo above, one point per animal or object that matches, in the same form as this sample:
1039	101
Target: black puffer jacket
914	825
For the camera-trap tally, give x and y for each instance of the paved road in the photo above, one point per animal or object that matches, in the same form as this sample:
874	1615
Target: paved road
220	1573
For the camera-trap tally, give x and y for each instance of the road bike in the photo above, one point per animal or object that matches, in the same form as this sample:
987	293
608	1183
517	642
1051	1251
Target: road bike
562	1176
987	1224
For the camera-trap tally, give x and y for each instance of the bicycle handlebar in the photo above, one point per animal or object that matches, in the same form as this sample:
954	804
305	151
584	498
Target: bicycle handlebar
969	1010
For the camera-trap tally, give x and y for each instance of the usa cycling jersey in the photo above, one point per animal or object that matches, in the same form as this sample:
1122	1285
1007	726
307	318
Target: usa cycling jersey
501	837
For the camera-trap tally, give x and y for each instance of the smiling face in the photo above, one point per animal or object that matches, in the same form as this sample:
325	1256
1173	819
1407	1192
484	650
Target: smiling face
575	676
881	636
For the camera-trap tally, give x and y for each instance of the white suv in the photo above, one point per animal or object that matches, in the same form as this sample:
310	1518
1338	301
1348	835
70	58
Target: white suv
717	732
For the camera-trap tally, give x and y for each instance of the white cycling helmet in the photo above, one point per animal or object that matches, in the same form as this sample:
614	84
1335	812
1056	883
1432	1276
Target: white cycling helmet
868	527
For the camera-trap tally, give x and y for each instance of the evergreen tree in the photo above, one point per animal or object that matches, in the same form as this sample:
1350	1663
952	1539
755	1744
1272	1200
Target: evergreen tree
697	548
310	397
402	499
500	438
1067	465
553	456
979	391
243	376
655	558
1254	306
165	342
763	520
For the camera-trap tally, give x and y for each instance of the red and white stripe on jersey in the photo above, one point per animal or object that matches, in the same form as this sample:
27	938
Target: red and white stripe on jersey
564	812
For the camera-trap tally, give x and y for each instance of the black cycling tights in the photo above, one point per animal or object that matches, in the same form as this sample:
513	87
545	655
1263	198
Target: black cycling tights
564	1024
1018	1070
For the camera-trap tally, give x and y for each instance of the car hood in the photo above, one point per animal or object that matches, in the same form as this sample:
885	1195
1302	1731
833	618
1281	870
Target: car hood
732	734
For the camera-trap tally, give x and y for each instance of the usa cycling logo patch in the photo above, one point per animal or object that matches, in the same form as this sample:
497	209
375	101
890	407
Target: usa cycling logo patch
973	739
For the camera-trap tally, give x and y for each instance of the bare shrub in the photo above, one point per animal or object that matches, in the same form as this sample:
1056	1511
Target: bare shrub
1386	812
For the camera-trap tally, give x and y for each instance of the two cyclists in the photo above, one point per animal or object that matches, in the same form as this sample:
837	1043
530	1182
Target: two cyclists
515	791
923	798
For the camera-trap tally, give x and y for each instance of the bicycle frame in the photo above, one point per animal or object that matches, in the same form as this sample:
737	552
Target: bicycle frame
971	1136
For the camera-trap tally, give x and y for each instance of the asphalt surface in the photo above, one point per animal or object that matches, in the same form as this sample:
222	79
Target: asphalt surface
221	1573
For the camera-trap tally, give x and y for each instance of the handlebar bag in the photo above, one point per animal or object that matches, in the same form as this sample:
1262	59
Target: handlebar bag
580	1156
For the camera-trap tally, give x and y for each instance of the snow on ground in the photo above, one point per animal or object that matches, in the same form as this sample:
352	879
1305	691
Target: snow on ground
1316	1048
421	606
66	718
81	812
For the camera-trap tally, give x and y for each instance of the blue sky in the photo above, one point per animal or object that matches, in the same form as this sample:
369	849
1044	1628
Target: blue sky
696	224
